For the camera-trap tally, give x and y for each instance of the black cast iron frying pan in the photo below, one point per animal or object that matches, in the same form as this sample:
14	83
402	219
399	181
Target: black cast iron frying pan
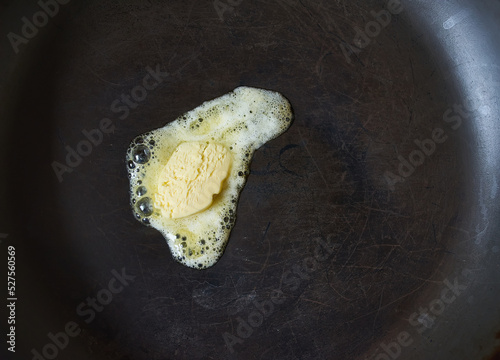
369	230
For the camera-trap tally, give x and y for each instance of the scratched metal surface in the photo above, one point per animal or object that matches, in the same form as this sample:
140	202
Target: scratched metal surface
328	259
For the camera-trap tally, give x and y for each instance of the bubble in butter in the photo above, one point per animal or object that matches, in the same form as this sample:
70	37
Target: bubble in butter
186	177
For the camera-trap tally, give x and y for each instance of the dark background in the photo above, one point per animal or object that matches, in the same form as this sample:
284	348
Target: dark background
323	178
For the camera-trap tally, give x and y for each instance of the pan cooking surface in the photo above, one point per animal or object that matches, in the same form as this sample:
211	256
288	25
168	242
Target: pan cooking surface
366	231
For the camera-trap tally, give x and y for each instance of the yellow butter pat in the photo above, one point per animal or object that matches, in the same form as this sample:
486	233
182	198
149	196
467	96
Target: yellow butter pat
192	176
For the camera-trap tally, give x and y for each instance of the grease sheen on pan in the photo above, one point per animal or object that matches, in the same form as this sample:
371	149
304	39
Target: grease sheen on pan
209	148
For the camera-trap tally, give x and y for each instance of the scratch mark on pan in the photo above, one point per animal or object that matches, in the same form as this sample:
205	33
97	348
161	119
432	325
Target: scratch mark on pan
317	302
380	210
339	294
357	244
265	232
99	77
142	272
267	256
379	307
394	301
455	19
312	159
